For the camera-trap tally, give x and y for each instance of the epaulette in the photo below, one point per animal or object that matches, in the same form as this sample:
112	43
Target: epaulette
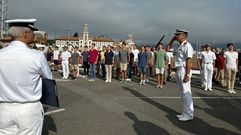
185	43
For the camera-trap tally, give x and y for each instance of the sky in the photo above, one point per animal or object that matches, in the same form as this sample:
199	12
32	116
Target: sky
147	20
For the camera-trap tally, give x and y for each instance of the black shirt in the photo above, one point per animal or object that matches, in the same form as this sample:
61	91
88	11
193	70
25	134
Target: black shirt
109	57
131	58
239	59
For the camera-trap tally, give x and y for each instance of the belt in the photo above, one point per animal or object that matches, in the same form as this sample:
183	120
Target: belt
2	102
208	63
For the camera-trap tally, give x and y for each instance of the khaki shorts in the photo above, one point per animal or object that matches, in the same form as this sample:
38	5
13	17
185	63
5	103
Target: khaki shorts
159	70
74	67
123	66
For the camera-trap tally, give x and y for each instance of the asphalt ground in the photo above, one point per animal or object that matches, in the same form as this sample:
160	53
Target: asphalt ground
99	108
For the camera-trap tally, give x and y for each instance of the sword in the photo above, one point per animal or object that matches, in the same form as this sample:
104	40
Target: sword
160	41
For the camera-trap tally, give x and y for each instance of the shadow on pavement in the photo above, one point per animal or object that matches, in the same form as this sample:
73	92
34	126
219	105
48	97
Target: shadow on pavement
197	126
49	123
145	127
216	110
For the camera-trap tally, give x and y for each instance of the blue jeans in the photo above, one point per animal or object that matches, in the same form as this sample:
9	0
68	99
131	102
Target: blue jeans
129	69
92	70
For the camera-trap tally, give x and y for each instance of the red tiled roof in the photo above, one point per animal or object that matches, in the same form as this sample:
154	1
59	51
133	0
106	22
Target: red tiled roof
103	39
67	38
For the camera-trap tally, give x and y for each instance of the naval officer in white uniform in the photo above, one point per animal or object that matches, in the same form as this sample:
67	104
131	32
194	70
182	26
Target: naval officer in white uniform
208	60
183	63
21	70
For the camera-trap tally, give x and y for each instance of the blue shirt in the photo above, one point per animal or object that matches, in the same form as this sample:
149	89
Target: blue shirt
142	59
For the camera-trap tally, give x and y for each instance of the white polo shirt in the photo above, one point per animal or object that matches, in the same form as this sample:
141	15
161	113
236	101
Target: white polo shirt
21	69
169	57
65	55
135	52
208	57
231	58
56	54
183	52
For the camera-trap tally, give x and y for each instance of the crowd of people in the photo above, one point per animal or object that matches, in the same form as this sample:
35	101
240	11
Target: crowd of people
125	62
220	66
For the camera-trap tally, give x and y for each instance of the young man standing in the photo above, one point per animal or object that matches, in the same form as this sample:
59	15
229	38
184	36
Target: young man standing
221	66
183	63
75	62
169	64
56	55
208	60
109	61
117	61
85	57
65	58
149	63
231	66
124	55
130	64
102	61
135	51
160	65
142	62
93	59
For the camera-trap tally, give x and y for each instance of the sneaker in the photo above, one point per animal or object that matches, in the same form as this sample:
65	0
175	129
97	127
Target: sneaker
179	116
143	83
161	86
128	79
210	89
109	80
91	80
140	83
147	80
230	91
185	118
106	80
205	89
234	92
158	86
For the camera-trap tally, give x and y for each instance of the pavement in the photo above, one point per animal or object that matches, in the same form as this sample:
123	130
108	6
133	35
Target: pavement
99	108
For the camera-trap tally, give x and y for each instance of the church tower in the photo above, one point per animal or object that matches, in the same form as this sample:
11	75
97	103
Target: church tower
86	35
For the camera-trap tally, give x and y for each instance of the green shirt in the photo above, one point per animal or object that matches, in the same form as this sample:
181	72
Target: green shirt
160	59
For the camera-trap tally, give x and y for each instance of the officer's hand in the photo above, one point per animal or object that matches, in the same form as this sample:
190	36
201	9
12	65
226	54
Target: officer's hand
174	38
186	79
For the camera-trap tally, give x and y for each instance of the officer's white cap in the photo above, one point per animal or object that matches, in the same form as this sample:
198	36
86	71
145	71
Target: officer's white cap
181	31
22	23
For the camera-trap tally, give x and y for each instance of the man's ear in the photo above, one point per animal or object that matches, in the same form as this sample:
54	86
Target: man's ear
25	35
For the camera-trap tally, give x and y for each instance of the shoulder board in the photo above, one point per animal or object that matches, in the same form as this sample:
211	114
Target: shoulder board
185	43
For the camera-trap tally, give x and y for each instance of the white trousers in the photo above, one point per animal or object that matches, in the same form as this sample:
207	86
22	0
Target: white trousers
108	72
185	89
65	68
21	119
208	75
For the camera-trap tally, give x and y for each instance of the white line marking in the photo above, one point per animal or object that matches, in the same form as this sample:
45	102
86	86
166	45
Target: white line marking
54	111
192	97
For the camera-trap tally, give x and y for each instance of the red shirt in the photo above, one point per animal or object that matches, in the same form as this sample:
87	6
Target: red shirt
93	56
220	62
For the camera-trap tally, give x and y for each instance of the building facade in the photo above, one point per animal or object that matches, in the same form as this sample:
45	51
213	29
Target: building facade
85	40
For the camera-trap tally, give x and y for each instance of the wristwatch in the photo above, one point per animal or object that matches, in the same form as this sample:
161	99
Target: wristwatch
187	75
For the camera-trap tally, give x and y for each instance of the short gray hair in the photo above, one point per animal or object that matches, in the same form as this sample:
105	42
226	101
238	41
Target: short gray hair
16	32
